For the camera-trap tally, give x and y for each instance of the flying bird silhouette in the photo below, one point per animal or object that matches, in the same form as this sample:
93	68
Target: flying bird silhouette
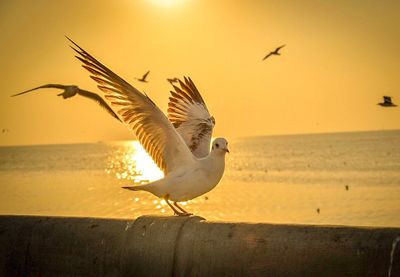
173	80
275	52
72	90
179	144
143	79
387	102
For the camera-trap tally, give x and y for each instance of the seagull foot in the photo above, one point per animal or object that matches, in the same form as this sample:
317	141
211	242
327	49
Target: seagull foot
183	214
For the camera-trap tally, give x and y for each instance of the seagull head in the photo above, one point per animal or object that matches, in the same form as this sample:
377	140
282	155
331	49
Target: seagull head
220	145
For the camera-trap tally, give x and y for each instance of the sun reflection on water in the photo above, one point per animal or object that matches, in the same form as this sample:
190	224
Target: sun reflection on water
131	162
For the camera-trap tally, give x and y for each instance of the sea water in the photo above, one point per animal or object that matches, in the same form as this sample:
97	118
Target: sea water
336	178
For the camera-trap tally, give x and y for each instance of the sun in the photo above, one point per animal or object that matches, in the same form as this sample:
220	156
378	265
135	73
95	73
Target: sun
166	3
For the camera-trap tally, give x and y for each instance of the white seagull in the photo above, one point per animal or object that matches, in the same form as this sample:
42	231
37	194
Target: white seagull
179	144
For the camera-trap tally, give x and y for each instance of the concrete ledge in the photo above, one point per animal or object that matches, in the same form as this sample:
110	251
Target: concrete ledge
191	246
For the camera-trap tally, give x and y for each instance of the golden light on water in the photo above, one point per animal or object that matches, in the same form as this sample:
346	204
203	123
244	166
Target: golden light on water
133	163
146	169
130	162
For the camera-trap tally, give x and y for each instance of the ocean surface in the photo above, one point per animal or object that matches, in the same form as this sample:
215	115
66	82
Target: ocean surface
337	179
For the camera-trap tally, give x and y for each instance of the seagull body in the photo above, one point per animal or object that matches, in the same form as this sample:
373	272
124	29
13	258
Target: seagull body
179	144
387	102
275	52
192	179
143	79
72	90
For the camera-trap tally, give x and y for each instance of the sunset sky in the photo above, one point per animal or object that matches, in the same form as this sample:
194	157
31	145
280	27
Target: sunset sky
340	58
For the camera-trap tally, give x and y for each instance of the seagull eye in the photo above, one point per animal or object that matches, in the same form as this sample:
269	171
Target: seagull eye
217	145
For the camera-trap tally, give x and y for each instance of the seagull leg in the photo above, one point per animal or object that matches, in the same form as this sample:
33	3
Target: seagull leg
172	207
181	209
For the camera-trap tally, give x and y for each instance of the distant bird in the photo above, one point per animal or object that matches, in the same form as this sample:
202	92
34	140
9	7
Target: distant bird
387	102
318	210
143	79
347	187
275	52
72	90
173	80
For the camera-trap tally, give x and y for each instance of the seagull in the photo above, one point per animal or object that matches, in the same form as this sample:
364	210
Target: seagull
179	143
143	79
387	102
72	90
172	80
275	52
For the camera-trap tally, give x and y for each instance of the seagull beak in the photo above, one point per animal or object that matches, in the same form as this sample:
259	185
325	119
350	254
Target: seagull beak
226	150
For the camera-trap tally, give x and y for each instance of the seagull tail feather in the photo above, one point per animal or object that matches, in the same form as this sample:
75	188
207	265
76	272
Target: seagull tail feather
135	188
152	188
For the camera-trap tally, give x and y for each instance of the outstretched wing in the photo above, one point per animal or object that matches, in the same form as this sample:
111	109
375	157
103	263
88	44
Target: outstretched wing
387	99
266	57
189	114
44	86
156	134
98	100
279	48
145	75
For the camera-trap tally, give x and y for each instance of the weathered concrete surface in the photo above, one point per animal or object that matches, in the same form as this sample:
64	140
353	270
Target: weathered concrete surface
190	246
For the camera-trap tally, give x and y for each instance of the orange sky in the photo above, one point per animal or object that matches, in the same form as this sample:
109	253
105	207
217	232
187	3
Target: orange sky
340	58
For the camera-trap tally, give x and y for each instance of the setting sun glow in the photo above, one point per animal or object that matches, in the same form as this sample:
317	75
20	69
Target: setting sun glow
309	88
166	3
